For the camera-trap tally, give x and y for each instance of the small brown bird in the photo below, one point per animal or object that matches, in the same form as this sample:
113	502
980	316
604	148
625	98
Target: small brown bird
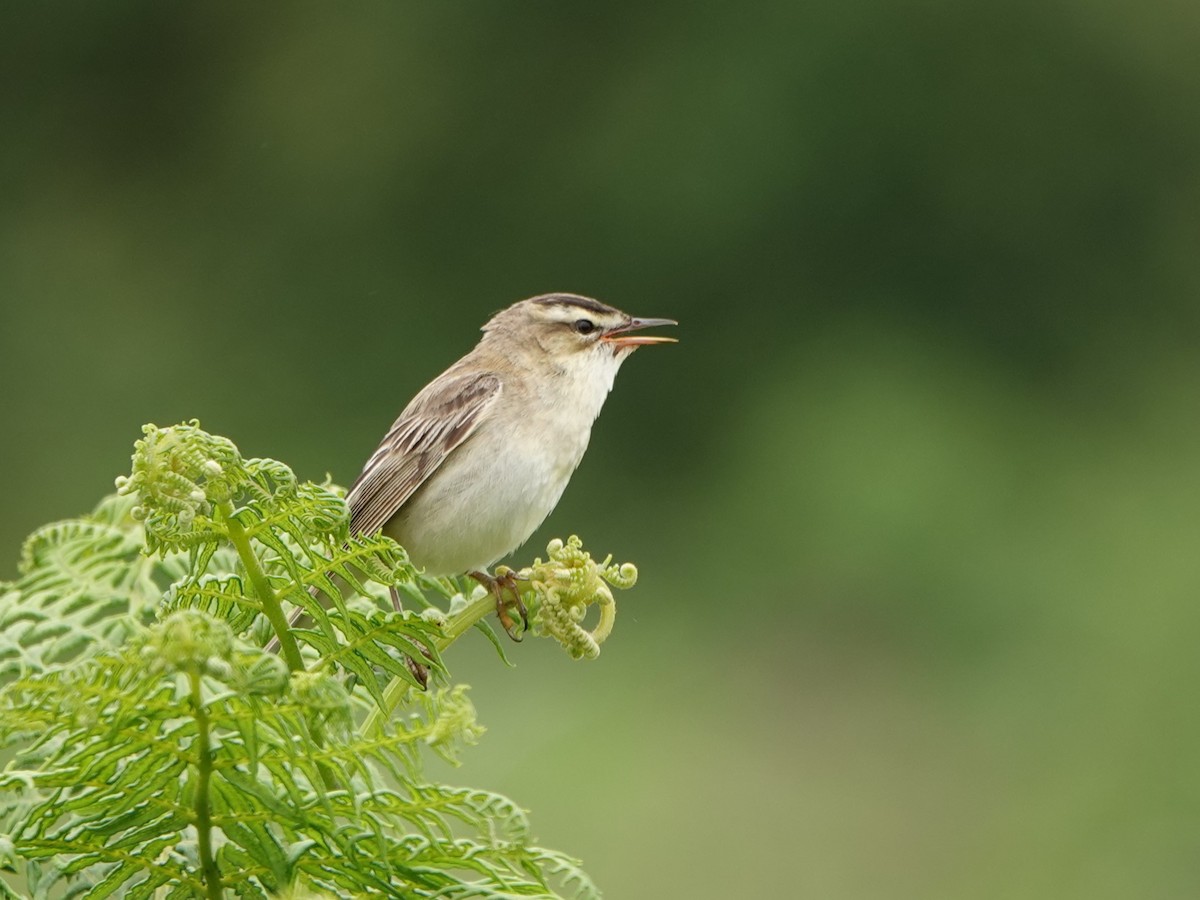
482	454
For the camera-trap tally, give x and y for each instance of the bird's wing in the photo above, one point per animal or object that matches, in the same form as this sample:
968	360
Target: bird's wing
437	420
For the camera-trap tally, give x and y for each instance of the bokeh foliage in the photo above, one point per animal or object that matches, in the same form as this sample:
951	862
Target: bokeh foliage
936	268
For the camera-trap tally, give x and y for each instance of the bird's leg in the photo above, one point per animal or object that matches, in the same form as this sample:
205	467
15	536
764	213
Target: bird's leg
498	585
418	670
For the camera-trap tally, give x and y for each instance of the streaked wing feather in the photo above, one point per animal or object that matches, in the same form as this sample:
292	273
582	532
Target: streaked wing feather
437	420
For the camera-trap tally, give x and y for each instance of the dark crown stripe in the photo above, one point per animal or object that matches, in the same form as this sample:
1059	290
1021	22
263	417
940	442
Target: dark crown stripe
575	302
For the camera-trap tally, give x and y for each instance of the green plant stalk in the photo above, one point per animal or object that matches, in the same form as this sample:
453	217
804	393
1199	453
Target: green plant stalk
262	587
208	865
274	612
456	626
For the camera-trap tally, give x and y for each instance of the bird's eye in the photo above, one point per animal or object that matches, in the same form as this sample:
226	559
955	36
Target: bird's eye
584	326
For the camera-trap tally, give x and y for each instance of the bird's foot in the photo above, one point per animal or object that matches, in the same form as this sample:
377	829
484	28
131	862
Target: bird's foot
503	586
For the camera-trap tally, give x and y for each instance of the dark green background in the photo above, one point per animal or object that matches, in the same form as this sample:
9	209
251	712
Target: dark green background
916	501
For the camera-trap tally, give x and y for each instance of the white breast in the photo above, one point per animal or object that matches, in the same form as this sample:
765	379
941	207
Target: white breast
494	490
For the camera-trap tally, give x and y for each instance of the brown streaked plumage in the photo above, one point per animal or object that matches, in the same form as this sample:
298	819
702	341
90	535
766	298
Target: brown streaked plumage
439	419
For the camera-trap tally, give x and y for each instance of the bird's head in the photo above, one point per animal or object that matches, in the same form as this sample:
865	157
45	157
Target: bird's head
569	328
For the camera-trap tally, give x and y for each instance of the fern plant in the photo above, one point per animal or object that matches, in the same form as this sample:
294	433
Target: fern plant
154	747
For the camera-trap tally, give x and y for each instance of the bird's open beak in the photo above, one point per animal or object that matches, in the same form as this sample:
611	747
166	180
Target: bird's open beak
621	337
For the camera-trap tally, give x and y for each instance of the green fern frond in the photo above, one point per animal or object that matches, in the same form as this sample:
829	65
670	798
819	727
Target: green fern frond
560	590
84	585
156	750
374	647
222	597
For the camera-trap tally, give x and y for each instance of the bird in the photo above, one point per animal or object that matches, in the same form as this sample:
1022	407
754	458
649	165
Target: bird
481	455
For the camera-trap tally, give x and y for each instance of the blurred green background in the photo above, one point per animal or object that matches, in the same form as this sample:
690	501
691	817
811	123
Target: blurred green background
916	501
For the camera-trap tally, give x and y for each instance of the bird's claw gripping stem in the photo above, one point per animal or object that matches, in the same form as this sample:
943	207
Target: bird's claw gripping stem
505	582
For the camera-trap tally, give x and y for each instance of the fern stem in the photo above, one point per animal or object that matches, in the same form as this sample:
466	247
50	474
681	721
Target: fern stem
208	865
262	587
456	626
467	618
274	612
